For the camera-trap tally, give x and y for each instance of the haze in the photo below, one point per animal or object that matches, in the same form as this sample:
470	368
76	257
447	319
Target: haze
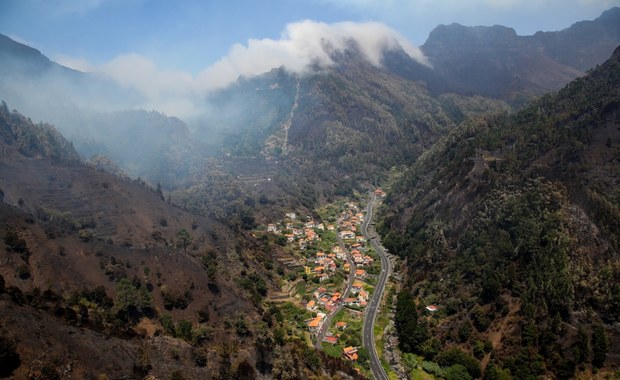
173	54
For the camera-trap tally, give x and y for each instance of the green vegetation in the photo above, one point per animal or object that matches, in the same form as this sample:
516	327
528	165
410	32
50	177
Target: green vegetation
512	220
132	299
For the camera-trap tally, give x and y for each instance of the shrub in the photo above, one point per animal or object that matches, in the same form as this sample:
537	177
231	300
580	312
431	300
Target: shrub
14	242
200	357
9	358
454	356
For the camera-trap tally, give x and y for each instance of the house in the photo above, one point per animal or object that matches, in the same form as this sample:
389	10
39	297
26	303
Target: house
362	296
330	306
330	264
347	267
320	292
350	353
319	270
341	325
340	255
290	238
331	227
314	324
349	301
311	305
432	308
320	255
331	339
336	297
360	273
358	259
360	239
311	235
291	215
302	244
323	277
272	228
380	193
310	224
307	270
320	226
347	235
356	287
356	246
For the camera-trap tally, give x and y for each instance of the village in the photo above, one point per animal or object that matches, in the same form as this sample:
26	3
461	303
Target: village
338	270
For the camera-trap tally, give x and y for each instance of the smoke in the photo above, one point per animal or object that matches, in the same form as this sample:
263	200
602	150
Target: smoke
302	47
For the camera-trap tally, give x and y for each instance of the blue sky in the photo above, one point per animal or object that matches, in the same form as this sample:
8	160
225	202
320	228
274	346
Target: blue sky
173	51
190	35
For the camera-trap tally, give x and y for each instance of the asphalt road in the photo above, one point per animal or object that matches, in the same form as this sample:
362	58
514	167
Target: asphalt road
368	338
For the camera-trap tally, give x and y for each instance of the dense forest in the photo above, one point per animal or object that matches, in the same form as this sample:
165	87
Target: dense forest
510	223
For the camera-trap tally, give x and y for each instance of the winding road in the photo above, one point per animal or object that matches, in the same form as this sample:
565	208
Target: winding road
368	334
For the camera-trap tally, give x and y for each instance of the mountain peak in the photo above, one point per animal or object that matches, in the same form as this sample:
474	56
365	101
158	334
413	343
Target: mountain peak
460	36
15	54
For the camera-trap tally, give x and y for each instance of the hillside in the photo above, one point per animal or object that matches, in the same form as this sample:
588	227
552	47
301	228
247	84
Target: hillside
353	121
101	276
510	225
496	62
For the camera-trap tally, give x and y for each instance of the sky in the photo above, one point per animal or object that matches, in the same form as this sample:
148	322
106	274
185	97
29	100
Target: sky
166	48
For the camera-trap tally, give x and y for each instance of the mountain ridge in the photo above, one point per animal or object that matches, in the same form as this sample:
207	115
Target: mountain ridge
495	61
517	214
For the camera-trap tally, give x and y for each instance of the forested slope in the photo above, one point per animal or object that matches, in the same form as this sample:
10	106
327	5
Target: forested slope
510	224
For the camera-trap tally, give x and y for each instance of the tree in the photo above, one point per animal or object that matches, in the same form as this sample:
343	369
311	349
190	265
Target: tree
411	334
284	365
130	299
14	242
457	372
244	371
184	330
9	358
362	356
600	346
184	239
455	356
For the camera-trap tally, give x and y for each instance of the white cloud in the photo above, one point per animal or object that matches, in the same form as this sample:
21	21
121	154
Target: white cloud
421	6
302	46
80	64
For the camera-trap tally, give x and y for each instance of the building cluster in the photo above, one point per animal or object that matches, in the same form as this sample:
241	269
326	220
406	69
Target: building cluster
348	255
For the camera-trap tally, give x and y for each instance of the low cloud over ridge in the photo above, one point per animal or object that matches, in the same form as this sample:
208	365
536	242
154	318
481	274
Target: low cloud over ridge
301	47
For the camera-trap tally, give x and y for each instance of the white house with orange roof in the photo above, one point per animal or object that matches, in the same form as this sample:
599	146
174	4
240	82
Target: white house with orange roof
350	353
360	273
362	296
311	305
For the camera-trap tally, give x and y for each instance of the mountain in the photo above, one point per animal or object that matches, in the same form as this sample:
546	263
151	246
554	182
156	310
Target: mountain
29	80
101	277
510	224
352	121
496	62
94	113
